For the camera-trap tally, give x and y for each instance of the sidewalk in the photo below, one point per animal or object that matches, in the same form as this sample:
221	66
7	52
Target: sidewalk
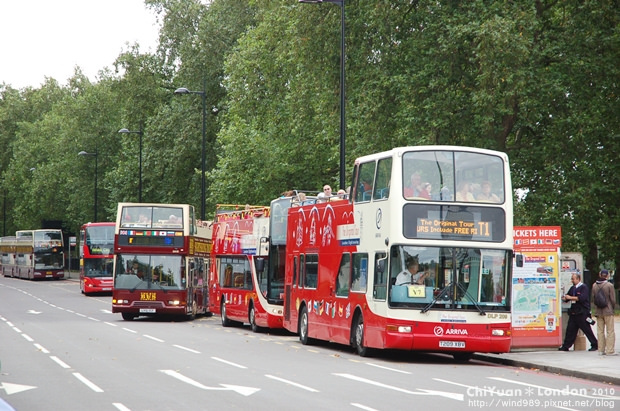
582	364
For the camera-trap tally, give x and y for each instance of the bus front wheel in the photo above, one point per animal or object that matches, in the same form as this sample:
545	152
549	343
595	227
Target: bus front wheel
225	321
358	336
128	316
252	318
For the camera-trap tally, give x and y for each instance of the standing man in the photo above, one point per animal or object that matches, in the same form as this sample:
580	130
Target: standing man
605	315
579	310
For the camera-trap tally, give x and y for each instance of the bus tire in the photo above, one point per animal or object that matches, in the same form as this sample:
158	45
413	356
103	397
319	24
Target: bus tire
462	356
128	316
358	336
252	319
303	326
192	315
225	321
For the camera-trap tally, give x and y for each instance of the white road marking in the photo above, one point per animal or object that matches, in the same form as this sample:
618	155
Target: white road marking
186	349
246	391
153	338
14	388
59	361
27	337
120	406
89	384
41	348
294	384
387	368
363	407
452	395
228	362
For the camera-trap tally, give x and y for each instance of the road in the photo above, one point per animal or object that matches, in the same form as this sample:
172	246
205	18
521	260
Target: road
61	350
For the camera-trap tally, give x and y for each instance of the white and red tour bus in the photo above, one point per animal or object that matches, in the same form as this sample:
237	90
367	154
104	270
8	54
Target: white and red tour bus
96	248
161	261
242	288
33	254
419	258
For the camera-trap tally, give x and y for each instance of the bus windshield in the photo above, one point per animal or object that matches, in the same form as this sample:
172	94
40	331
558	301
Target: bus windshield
98	267
142	272
449	277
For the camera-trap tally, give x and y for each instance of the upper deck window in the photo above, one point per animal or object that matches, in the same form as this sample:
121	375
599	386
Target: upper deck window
152	217
453	176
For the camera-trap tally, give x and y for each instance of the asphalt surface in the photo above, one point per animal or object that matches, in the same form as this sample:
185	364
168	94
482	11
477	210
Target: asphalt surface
581	363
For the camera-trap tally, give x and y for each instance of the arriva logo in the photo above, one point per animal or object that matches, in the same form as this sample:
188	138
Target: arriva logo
456	331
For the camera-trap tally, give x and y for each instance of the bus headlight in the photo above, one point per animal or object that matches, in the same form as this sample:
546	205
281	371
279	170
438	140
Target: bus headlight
175	302
498	332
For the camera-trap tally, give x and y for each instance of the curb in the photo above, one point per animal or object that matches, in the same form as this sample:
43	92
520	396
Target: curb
550	368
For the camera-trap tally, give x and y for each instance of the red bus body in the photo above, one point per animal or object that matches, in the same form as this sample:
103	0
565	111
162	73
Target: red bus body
33	255
344	258
161	261
96	245
240	290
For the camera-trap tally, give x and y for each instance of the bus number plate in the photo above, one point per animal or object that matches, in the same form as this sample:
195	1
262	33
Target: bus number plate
148	296
147	310
452	344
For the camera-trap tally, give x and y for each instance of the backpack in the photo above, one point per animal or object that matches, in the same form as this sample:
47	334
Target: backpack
599	298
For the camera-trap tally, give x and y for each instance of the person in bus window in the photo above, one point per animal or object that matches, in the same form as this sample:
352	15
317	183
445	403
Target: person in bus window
135	269
411	274
426	191
464	192
328	191
485	193
415	188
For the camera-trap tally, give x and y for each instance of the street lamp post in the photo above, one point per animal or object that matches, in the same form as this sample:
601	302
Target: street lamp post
139	132
84	153
203	95
342	84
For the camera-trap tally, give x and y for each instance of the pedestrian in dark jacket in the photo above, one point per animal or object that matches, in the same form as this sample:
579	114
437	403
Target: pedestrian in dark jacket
579	311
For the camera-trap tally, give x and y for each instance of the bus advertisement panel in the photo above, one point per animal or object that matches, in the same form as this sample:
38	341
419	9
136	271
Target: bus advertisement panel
39	254
161	260
96	248
241	288
419	258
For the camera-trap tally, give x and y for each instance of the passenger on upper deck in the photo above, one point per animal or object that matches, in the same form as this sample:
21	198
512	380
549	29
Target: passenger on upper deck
415	188
486	195
464	192
342	195
426	191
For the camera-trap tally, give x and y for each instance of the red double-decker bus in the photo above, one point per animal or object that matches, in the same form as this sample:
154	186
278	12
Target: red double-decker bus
419	258
96	245
161	261
243	288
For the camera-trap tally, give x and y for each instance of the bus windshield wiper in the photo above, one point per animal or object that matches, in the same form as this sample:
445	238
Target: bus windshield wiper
470	298
442	293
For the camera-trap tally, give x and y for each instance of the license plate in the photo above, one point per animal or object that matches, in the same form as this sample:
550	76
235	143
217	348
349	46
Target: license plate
107	289
147	310
452	344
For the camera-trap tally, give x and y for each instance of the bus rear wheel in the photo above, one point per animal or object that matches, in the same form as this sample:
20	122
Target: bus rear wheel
303	326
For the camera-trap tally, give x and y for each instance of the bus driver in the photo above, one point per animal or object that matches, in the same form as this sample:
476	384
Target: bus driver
411	274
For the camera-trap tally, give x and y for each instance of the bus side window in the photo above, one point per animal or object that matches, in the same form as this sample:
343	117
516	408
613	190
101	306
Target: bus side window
380	278
344	275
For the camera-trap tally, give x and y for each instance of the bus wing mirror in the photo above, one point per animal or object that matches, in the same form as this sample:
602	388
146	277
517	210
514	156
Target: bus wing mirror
259	263
519	258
